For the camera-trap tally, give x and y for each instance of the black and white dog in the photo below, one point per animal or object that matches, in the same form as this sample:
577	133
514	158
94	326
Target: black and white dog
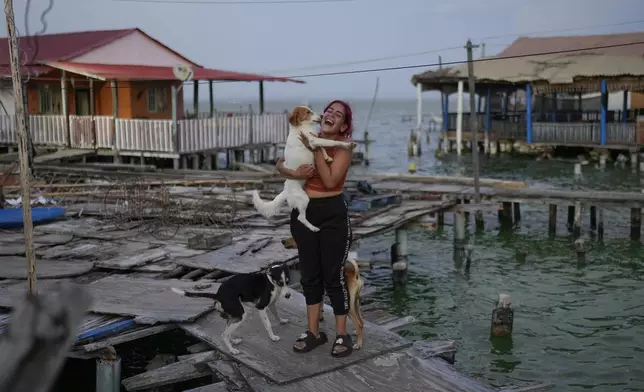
260	290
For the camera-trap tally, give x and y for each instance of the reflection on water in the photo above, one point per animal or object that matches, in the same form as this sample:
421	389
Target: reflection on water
579	326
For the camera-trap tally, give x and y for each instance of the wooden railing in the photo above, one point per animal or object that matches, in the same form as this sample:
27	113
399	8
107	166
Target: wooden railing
142	135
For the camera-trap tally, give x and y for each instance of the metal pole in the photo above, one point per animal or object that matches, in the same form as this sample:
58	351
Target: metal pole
23	142
474	128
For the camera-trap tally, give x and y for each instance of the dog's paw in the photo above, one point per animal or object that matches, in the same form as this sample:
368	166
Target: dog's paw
236	341
275	338
353	145
283	321
314	229
357	346
234	351
328	160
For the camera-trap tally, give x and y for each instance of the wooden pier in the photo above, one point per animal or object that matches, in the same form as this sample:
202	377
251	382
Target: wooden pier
129	258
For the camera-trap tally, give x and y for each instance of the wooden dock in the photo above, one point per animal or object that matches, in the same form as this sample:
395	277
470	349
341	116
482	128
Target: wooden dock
128	267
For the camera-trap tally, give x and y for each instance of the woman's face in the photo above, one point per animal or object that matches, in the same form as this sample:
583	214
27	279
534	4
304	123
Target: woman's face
333	120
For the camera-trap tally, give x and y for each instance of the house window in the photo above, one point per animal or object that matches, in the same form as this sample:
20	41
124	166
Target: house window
157	99
46	100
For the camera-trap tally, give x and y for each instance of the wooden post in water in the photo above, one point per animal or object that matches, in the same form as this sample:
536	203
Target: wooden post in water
580	250
636	223
399	254
600	225
23	146
505	215
502	317
576	230
517	212
571	217
552	220
593	218
478	215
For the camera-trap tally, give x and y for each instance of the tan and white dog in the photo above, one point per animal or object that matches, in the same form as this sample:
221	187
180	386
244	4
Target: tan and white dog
355	284
300	121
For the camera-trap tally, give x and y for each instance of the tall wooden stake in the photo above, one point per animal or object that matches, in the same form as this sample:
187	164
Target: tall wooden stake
23	154
475	132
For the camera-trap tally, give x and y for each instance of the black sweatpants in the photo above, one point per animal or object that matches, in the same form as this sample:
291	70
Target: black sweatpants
322	254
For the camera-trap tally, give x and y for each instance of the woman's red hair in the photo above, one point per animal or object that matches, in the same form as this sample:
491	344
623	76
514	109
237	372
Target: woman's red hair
348	117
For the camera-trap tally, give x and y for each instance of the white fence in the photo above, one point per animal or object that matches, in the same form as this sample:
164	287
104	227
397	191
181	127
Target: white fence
193	135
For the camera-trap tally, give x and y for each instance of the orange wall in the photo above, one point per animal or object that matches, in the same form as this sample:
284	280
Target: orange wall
132	99
637	100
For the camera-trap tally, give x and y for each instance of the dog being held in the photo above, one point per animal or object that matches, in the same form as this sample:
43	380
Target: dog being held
300	121
355	284
260	290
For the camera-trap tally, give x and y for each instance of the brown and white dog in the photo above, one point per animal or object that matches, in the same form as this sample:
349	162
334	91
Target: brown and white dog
300	121
355	284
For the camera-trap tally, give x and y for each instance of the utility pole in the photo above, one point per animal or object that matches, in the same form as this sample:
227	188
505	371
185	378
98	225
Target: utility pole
23	145
475	132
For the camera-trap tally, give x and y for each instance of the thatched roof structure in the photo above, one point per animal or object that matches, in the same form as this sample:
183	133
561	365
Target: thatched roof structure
578	71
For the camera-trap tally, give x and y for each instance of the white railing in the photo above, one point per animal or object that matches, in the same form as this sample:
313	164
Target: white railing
193	135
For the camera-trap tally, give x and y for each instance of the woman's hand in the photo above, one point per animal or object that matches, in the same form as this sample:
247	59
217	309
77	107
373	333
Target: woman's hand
305	172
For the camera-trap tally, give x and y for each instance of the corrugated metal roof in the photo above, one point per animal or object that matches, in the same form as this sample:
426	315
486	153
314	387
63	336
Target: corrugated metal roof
530	45
553	69
142	73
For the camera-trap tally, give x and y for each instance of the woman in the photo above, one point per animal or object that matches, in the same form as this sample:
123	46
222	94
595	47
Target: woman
322	254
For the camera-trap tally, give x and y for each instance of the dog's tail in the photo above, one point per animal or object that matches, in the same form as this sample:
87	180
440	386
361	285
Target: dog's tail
193	294
270	208
354	263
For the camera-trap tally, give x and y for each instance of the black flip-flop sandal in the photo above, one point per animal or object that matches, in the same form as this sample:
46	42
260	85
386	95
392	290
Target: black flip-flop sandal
310	341
342	341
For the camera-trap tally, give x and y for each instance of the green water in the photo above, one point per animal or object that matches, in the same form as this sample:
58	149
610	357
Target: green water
580	327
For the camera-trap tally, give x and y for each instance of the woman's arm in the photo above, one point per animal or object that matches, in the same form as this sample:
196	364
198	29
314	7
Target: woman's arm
303	172
332	174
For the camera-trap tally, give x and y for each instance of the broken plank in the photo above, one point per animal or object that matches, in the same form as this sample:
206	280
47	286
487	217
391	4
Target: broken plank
276	360
216	387
228	371
126	337
170	374
248	253
198	348
149	301
403	371
15	267
399	322
126	262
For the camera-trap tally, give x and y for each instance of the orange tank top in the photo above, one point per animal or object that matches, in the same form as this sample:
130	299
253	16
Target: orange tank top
315	183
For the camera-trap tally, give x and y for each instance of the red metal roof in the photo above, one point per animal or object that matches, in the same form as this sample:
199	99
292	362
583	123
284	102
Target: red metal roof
62	46
144	72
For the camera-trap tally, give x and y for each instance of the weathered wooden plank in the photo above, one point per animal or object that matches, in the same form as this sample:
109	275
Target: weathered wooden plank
228	371
43	327
197	348
400	371
125	262
248	253
276	360
216	387
170	374
13	245
15	267
150	301
128	336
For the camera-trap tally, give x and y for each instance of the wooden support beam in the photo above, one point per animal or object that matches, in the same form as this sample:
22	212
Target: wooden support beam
636	223
552	220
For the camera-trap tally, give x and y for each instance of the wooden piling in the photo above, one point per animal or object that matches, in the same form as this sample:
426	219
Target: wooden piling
517	212
502	317
571	217
505	215
636	223
552	220
600	225
576	231
593	218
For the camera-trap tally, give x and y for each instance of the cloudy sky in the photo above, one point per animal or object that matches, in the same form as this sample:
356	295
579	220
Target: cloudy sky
299	39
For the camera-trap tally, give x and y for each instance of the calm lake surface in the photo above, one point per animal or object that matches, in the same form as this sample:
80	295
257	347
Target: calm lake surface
579	327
